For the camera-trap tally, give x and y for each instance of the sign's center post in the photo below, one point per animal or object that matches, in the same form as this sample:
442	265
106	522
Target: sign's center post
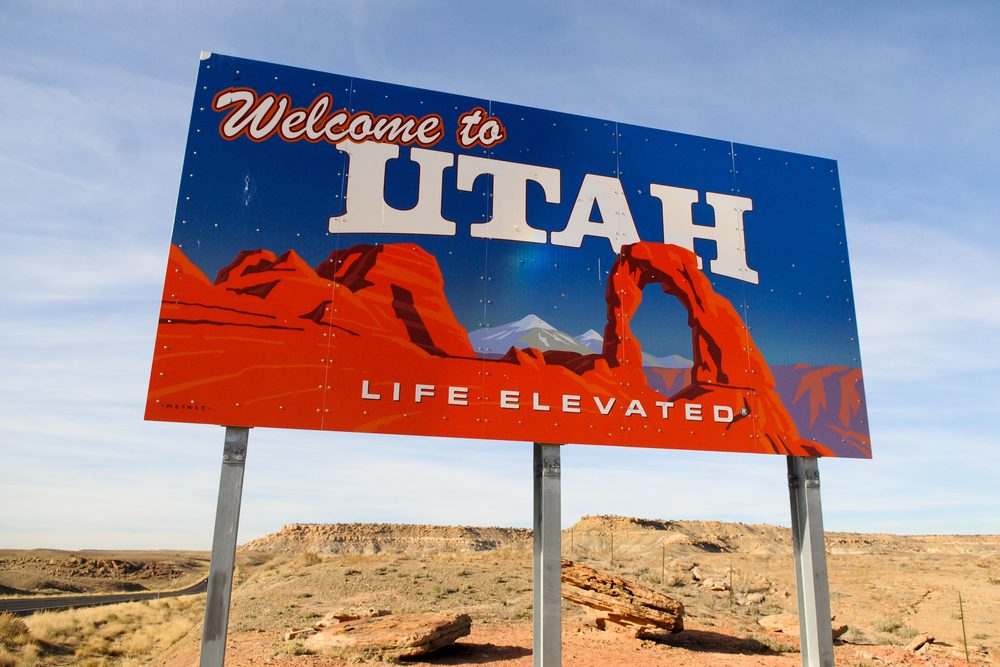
808	547
220	574
547	584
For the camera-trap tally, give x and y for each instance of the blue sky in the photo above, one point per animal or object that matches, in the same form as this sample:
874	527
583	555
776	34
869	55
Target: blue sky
96	100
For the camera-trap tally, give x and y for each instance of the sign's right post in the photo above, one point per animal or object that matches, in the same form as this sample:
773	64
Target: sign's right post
547	579
808	548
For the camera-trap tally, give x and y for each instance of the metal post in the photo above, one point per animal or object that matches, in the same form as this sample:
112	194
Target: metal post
815	633
547	585
220	573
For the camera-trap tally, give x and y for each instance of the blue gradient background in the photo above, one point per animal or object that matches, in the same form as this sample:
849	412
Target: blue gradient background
239	195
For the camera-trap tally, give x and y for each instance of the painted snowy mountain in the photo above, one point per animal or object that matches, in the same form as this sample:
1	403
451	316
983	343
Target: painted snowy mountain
533	331
529	331
591	340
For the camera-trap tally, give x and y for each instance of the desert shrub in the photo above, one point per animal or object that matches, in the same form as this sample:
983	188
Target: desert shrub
675	580
888	625
13	631
755	644
309	558
894	631
855	636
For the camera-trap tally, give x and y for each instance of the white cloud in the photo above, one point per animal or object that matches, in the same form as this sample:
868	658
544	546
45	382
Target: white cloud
928	307
96	106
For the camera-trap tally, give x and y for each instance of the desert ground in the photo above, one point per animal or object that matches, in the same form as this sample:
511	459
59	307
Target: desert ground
885	588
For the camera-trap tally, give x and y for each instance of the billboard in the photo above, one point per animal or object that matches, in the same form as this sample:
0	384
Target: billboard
352	255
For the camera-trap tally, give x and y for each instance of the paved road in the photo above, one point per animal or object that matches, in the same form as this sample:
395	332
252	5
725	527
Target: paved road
27	605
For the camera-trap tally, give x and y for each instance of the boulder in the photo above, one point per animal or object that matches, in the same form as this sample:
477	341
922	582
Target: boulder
393	637
715	584
919	642
642	611
788	624
784	623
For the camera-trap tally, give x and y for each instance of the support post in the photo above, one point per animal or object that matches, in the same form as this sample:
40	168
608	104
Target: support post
547	583
808	548
220	573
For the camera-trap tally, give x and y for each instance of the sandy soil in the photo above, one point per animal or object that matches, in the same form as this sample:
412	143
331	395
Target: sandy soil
885	588
510	645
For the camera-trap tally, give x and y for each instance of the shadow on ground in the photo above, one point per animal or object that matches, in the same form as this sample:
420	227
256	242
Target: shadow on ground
706	641
464	653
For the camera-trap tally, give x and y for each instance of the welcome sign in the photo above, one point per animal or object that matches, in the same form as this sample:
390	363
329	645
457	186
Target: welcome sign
358	256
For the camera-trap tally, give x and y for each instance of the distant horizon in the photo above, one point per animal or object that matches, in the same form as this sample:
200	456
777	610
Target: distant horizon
245	539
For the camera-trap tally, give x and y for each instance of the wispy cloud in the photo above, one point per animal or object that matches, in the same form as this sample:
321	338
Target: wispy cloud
96	101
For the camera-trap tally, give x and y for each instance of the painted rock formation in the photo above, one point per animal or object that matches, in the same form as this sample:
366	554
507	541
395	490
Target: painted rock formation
725	357
367	341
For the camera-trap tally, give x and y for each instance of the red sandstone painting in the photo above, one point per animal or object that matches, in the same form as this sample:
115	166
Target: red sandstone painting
366	341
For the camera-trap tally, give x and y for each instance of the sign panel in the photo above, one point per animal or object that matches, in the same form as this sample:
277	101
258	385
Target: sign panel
358	256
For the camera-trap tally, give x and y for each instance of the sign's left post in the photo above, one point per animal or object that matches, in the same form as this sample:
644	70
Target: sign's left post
227	521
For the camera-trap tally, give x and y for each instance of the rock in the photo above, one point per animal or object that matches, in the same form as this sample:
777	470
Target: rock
296	634
696	574
349	614
715	585
788	624
392	637
646	613
755	598
784	623
919	642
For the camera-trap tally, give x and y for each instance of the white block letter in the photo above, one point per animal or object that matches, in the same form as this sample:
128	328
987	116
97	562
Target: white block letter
509	399
723	413
366	392
618	226
366	212
510	202
635	408
666	405
728	233
458	395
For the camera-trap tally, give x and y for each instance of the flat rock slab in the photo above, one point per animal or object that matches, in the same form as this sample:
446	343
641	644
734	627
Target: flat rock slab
788	624
648	613
391	637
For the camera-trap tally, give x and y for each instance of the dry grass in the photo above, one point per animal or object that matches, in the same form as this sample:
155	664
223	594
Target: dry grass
308	558
116	635
893	631
13	631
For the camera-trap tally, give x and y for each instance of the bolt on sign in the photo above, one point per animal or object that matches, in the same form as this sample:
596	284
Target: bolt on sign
351	255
